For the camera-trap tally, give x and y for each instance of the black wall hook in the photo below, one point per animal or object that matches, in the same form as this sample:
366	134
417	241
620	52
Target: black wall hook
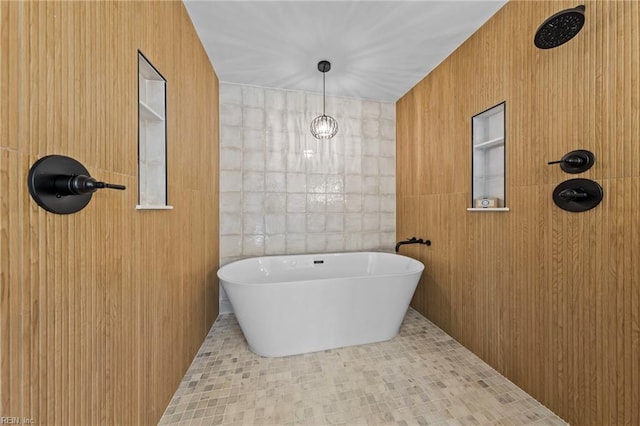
577	161
62	185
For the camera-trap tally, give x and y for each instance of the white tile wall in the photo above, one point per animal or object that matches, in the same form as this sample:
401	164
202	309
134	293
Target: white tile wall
284	192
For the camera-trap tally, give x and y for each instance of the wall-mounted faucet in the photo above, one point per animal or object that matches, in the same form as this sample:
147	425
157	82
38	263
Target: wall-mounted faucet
412	240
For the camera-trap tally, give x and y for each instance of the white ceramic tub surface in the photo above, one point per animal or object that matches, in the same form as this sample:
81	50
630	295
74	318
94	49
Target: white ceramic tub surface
295	304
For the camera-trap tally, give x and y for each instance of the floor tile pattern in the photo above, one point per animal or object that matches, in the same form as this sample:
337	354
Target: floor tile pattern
421	377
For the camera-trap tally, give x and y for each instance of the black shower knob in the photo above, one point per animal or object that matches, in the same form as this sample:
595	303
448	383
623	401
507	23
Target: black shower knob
62	185
577	161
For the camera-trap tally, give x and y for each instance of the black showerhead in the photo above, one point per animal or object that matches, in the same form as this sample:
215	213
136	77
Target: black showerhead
560	28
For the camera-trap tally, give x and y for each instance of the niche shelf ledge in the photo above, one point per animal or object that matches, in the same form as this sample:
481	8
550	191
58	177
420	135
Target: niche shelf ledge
489	209
147	113
489	144
139	207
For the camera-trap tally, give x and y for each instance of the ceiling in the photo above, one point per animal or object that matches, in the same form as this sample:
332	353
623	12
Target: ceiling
378	49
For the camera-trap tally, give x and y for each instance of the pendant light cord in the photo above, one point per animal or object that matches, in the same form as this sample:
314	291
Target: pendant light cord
324	102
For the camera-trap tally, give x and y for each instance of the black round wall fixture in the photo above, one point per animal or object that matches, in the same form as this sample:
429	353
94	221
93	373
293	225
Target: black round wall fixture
559	28
578	195
577	161
62	185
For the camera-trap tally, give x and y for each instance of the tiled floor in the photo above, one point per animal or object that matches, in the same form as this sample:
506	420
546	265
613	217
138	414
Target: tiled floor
422	376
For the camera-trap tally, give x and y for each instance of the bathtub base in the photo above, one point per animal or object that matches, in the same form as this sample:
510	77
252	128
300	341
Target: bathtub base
296	317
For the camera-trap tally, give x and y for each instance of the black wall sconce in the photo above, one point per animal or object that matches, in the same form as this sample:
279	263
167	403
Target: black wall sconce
62	185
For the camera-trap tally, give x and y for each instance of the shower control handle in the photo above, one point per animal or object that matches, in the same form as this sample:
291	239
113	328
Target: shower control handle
577	161
573	194
574	161
81	184
62	185
578	195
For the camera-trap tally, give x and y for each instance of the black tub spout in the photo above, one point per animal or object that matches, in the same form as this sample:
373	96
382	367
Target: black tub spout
412	240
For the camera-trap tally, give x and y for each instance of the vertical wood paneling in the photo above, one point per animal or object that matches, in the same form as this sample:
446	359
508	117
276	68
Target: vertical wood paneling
549	298
102	311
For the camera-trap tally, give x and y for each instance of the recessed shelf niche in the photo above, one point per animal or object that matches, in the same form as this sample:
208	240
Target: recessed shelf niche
488	160
152	137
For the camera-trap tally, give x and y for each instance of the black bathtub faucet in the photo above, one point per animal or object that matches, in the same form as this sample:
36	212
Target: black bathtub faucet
412	240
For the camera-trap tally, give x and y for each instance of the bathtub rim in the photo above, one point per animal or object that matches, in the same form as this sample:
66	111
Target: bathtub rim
420	268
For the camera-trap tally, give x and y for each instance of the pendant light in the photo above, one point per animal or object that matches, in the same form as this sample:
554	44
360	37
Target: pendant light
324	126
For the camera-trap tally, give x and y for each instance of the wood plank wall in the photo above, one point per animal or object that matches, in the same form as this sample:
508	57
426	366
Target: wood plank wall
551	299
101	312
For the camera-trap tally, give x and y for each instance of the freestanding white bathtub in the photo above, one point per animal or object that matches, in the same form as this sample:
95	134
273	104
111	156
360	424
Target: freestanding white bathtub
295	304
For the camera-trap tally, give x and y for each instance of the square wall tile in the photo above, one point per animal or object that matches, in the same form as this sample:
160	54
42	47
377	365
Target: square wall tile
335	242
283	191
230	223
230	94
335	222
388	203
387	166
275	224
231	115
335	203
296	243
253	140
371	185
230	159
296	203
371	128
276	181
353	184
253	182
230	245
253	202
370	222
387	185
253	118
275	202
253	223
253	96
371	203
316	222
275	161
388	129
316	243
253	245
296	182
231	202
230	136
316	203
296	223
353	203
254	160
370	166
387	148
353	222
275	100
230	181
275	244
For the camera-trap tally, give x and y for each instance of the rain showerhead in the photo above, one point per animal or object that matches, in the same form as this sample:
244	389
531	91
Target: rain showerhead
560	28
